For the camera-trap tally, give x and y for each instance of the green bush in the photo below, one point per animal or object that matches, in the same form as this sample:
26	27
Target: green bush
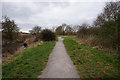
47	35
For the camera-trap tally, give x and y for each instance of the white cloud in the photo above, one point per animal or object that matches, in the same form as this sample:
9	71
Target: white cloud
49	14
57	0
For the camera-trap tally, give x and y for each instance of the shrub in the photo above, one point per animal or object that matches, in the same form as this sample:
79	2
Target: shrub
82	32
47	35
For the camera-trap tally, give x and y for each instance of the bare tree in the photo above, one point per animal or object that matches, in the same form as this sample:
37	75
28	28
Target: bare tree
53	29
82	32
110	13
111	10
59	30
76	28
68	30
36	30
9	29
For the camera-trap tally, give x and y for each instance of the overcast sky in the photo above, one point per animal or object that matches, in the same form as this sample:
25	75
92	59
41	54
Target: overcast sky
48	14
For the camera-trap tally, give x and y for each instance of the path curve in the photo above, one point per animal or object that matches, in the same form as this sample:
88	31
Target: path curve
59	63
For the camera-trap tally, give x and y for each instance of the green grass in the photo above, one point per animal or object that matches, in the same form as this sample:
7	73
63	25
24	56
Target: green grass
90	62
29	63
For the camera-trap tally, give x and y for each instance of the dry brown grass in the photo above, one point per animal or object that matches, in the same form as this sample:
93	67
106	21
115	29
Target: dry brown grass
29	40
90	40
14	48
8	55
97	43
19	50
35	45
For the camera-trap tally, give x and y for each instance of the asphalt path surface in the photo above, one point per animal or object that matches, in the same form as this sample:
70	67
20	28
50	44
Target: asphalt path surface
59	64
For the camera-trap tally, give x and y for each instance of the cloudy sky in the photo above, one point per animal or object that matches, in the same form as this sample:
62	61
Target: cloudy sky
50	14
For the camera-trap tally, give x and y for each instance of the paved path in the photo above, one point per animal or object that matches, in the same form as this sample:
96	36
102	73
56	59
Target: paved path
59	64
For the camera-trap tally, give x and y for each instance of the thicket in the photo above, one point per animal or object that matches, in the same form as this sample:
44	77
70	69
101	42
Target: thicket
105	27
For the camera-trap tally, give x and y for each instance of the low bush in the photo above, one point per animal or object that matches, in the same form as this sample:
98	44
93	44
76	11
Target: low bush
47	35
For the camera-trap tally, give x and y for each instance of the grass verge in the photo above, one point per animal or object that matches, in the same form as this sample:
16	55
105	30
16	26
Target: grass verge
29	63
90	62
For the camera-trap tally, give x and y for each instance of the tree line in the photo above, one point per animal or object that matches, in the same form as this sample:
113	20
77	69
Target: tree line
13	39
105	28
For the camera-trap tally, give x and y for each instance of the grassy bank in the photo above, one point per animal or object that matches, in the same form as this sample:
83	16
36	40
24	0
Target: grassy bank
29	63
90	62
